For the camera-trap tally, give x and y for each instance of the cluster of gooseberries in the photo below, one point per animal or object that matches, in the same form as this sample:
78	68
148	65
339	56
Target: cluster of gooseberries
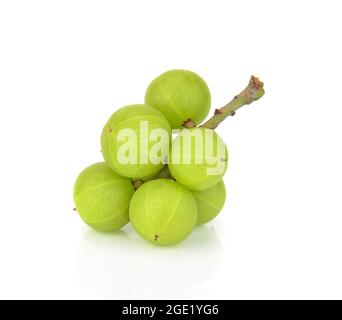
164	200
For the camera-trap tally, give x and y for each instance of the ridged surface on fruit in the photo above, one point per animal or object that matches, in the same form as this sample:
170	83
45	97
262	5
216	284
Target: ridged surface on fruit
210	202
102	197
180	95
163	212
194	162
131	118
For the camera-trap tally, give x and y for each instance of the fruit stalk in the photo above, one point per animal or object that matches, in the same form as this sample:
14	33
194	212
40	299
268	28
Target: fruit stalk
253	92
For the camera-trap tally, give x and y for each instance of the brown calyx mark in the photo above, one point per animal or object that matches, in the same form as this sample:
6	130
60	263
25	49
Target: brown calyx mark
189	123
156	237
137	183
110	130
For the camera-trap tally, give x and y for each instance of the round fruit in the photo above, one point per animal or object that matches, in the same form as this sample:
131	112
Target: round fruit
198	158
135	141
180	95
163	212
102	197
210	202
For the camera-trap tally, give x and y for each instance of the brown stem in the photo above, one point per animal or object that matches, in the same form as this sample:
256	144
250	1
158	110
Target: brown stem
253	92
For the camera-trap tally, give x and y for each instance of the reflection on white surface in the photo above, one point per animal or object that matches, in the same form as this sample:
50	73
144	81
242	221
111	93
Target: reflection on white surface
122	265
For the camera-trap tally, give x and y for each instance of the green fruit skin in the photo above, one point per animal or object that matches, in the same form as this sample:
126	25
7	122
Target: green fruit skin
102	197
194	175
180	95
163	212
129	117
210	202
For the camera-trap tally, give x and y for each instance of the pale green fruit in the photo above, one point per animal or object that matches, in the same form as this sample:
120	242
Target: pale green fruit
163	212
210	202
180	95
198	158
127	141
102	197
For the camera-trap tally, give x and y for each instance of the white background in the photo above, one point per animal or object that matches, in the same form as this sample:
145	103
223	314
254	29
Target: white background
65	66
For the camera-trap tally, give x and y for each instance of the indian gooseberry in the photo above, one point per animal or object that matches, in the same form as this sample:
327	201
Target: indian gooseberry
180	95
163	212
102	197
135	141
198	158
210	202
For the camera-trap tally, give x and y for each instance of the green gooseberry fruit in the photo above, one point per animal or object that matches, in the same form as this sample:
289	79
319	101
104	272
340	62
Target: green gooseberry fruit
180	95
135	141
210	202
102	197
163	212
198	158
